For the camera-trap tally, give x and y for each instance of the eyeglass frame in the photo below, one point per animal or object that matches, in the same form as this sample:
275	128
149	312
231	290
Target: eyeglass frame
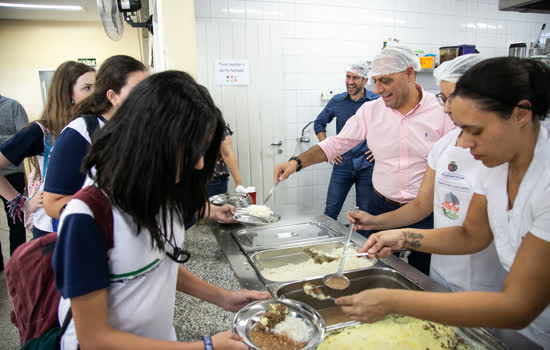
440	99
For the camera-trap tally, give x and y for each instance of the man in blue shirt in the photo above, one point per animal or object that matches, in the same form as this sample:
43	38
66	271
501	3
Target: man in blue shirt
352	167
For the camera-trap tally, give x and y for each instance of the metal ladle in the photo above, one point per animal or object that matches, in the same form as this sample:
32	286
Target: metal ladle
338	280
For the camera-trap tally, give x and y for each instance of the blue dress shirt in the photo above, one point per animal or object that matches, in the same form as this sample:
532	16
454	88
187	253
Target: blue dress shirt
343	107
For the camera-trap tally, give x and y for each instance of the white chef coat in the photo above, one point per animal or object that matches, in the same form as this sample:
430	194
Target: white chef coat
456	170
530	213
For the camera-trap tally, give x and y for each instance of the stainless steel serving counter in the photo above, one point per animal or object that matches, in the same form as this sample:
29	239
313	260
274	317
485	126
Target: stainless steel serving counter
248	277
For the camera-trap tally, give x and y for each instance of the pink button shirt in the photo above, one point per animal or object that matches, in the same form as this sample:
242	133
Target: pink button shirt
400	143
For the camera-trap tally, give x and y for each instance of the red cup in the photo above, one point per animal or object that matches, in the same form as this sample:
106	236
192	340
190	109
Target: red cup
252	193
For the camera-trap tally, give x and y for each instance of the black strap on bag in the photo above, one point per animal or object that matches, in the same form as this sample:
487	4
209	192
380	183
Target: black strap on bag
92	124
64	327
103	214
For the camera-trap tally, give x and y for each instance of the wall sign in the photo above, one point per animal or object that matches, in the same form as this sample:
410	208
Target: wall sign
89	61
231	72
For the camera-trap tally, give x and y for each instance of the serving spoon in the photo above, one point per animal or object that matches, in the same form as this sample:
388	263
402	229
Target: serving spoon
271	190
338	280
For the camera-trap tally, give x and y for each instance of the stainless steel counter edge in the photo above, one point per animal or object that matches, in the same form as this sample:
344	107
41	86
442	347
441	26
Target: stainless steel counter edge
249	279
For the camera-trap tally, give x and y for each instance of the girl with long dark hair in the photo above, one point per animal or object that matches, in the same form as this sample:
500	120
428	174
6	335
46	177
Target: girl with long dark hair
116	77
71	83
152	161
498	104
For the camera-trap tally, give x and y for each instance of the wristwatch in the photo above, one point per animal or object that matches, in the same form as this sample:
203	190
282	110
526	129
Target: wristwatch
297	161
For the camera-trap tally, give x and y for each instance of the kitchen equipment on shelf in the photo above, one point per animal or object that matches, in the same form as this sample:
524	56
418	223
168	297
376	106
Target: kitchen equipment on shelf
427	61
518	50
542	58
466	49
447	53
536	48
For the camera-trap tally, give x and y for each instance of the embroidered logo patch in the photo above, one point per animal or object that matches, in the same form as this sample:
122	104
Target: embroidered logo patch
452	166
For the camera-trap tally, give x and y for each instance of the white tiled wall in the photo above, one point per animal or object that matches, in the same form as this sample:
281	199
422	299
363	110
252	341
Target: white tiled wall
320	37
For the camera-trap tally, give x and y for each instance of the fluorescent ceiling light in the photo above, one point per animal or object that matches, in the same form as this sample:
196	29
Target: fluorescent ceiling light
42	7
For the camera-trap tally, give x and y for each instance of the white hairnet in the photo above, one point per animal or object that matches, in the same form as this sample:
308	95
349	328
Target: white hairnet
452	70
360	68
394	59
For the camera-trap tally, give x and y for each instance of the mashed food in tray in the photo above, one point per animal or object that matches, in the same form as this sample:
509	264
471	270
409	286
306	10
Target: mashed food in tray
395	332
310	268
260	211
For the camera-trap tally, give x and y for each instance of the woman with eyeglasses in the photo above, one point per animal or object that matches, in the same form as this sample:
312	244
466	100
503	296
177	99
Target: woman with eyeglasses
153	161
446	190
498	104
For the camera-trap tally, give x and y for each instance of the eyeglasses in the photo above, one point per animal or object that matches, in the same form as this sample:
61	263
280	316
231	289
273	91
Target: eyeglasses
441	98
181	256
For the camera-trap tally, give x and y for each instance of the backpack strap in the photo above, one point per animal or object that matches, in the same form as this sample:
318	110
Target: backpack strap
103	214
92	124
101	208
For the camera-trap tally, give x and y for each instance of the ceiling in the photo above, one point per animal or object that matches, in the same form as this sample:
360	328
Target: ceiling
89	13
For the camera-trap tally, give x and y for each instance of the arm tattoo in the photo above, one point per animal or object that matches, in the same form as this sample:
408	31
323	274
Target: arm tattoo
411	240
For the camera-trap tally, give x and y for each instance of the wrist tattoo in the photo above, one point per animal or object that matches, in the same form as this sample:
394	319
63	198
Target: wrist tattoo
412	239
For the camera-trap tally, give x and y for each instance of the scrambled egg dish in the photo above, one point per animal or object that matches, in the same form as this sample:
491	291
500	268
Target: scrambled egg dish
395	332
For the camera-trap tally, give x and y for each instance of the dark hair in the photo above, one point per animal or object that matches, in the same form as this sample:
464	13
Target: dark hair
159	134
57	111
498	84
112	75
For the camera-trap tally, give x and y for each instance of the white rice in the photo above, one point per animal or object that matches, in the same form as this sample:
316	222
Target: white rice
261	211
294	328
309	268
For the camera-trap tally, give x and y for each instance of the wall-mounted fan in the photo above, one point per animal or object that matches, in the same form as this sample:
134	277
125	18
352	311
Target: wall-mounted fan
112	12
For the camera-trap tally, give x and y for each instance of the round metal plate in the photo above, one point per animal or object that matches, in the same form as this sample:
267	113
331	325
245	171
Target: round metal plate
249	315
238	200
244	218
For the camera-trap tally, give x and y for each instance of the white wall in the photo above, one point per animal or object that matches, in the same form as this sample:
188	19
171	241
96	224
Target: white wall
28	46
320	37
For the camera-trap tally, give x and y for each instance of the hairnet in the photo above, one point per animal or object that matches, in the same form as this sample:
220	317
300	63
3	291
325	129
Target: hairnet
360	68
452	70
394	59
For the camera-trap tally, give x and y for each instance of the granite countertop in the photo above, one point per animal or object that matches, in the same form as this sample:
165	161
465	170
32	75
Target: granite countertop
193	317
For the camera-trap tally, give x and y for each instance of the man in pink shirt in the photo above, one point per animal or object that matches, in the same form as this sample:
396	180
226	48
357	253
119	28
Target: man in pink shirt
401	126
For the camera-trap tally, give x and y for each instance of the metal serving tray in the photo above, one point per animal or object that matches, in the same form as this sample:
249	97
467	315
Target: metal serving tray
261	238
275	258
373	277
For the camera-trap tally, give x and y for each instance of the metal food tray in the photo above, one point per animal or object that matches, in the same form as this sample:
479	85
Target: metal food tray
269	237
279	257
377	276
249	315
238	200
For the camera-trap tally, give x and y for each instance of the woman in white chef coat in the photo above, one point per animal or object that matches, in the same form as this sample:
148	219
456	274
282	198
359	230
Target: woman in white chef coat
446	190
498	104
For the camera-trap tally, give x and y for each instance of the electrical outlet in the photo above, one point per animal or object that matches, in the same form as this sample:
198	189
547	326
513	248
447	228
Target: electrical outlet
326	95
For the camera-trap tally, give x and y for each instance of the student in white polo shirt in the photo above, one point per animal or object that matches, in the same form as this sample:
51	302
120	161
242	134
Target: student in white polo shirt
498	104
152	161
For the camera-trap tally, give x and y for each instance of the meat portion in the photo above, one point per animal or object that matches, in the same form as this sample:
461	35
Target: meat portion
276	314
